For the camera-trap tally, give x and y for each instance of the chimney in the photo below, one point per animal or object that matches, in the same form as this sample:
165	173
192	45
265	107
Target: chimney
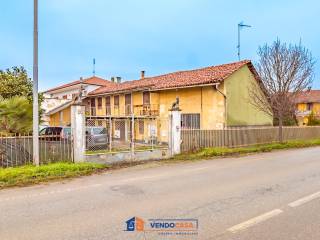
118	79
142	74
112	79
81	79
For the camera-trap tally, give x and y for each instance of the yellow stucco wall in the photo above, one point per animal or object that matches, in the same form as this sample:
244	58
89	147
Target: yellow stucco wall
239	110
204	100
302	107
315	107
62	118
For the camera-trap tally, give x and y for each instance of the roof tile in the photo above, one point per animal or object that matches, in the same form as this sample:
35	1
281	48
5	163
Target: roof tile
201	76
92	80
312	96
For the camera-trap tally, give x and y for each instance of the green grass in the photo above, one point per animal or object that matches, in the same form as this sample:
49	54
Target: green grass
223	152
27	175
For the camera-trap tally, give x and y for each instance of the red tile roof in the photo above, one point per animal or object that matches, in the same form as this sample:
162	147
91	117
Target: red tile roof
312	96
92	80
208	75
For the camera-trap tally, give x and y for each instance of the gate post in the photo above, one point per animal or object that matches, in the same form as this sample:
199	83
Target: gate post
175	129
78	131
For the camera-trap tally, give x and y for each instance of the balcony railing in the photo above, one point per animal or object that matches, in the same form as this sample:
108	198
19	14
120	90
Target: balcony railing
124	110
146	110
303	113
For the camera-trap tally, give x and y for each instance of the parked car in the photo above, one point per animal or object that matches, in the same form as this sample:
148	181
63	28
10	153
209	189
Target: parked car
55	133
96	138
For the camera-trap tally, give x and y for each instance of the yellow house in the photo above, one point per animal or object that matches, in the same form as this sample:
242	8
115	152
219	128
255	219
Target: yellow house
306	103
214	97
209	98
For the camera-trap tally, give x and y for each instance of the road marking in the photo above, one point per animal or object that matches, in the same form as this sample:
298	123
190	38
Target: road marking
304	200
254	221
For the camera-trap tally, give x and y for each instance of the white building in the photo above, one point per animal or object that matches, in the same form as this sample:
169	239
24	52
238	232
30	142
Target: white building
60	96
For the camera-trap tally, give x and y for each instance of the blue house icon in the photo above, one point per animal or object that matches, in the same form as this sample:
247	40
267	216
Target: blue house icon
131	224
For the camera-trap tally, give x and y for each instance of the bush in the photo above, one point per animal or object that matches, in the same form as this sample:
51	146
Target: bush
312	120
15	115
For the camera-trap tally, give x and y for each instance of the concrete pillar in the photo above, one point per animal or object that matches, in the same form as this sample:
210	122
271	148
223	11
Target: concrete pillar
78	131
175	131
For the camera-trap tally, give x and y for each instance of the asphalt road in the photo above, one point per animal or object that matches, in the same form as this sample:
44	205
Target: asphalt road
265	196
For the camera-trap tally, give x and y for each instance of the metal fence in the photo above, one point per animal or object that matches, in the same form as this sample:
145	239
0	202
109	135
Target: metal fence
194	139
16	150
113	134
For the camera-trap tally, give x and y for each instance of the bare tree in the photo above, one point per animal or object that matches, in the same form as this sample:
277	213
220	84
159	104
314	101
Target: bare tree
284	71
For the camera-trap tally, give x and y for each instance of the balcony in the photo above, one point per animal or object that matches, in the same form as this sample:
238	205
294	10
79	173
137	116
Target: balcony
146	110
306	113
143	110
303	113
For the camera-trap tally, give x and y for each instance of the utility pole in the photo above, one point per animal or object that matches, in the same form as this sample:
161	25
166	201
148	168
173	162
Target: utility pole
240	26
35	135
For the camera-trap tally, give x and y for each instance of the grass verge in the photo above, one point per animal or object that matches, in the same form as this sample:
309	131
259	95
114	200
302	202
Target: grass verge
224	152
27	175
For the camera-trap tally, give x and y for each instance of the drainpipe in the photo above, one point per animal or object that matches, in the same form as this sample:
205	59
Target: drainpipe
225	104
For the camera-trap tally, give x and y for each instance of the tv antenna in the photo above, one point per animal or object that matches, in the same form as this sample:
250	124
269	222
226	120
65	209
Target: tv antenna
94	67
240	26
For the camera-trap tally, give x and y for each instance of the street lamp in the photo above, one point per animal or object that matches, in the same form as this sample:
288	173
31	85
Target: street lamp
35	135
240	26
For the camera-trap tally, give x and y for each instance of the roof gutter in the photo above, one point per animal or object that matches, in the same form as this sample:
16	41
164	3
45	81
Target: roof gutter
192	86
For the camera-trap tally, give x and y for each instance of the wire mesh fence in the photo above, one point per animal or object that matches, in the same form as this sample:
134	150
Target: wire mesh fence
112	134
54	146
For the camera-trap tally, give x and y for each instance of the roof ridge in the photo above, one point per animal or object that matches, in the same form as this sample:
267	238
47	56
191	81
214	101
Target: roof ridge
197	69
75	82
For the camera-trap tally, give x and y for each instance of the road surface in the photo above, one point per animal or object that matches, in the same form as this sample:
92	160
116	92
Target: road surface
265	196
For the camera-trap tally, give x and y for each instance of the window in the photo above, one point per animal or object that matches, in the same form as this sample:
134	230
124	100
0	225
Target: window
116	101
65	97
108	103
127	99
309	106
93	106
127	102
141	127
93	102
99	102
146	98
190	121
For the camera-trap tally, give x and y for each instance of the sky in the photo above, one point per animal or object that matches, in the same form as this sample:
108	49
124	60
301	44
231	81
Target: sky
158	36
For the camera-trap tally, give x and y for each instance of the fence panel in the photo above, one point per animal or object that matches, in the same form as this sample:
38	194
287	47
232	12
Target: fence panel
194	139
17	150
115	134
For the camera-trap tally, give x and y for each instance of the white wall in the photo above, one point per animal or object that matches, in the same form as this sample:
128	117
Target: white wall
71	90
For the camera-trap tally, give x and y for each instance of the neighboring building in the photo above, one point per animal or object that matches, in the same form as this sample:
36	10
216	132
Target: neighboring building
307	102
210	98
57	100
